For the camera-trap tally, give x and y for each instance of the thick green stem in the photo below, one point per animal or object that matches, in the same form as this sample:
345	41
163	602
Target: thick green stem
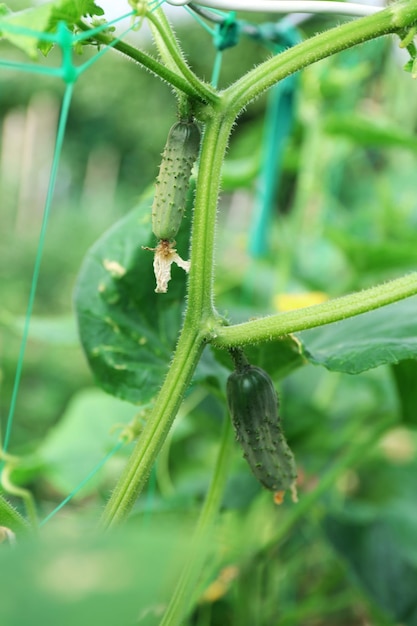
201	322
275	326
133	479
391	20
199	314
214	144
182	598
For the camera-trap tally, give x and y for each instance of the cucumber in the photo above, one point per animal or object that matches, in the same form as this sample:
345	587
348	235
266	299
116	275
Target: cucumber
180	153
253	405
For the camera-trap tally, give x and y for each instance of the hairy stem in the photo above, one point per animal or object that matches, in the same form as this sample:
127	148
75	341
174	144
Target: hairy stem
198	318
157	68
391	20
10	518
214	144
173	57
139	465
182	598
275	326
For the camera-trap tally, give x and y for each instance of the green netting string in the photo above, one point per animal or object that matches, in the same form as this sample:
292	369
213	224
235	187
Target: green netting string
52	180
78	488
69	73
278	124
65	39
225	34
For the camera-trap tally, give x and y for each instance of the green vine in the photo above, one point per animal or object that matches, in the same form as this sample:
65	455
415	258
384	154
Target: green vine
275	326
183	595
389	21
202	323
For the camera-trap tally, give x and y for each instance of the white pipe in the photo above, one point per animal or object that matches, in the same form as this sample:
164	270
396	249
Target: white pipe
286	6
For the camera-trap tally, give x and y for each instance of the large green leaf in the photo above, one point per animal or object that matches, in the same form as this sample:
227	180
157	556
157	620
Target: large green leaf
385	336
43	18
35	18
82	437
127	330
70	12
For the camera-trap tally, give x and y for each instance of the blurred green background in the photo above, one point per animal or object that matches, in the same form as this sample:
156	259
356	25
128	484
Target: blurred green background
344	218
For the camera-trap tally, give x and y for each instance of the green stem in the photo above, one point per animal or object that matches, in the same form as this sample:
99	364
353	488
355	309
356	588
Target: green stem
157	68
10	518
19	492
182	599
173	57
213	148
275	326
199	319
391	20
139	465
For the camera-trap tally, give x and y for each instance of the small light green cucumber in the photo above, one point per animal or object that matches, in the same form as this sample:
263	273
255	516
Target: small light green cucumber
180	153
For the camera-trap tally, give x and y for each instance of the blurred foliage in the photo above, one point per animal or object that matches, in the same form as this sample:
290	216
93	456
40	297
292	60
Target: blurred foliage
345	218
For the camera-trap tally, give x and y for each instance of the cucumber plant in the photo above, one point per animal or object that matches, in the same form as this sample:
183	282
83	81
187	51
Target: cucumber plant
254	416
251	395
217	111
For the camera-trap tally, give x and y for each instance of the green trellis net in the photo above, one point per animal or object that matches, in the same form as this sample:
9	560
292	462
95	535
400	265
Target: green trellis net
55	24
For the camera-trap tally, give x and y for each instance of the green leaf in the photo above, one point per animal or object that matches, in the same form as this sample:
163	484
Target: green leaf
385	336
36	18
82	437
127	330
44	19
405	376
4	9
70	12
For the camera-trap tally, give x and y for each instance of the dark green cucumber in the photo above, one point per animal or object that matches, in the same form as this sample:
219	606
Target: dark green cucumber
178	158
253	405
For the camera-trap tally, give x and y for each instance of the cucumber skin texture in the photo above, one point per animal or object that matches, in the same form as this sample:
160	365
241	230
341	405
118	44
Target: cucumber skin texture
253	405
179	155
